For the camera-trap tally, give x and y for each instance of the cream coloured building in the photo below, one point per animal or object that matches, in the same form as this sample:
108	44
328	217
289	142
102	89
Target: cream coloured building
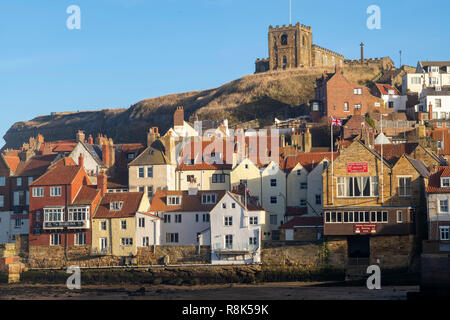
117	227
249	174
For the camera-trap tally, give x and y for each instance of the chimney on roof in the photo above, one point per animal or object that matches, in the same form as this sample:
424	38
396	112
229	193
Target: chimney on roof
102	183
106	158
178	117
40	138
430	111
81	161
193	188
307	141
90	140
152	136
80	136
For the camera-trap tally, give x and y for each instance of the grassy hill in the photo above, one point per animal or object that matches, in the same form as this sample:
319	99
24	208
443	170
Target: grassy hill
258	98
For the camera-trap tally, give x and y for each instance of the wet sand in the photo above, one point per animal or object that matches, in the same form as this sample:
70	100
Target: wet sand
265	291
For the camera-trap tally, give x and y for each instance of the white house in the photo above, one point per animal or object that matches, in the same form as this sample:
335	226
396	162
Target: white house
236	230
438	199
436	102
148	229
428	74
392	98
273	197
185	215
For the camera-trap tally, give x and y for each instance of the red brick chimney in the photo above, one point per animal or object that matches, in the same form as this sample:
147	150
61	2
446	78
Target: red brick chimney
81	161
430	112
102	183
178	117
90	139
106	158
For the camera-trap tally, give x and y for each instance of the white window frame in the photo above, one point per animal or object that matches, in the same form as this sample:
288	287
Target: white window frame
405	195
399	216
173	200
440	206
79	236
444	230
228	221
55	191
38	192
53	237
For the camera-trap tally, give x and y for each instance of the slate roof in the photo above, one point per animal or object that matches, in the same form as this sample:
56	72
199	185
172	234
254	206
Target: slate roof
421	168
150	156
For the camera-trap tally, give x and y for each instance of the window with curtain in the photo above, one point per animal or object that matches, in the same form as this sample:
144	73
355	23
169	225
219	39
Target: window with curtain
357	187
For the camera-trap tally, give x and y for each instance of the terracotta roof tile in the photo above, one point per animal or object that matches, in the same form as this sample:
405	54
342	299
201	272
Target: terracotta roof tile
434	184
35	166
384	89
188	203
86	195
12	162
58	175
131	202
308	160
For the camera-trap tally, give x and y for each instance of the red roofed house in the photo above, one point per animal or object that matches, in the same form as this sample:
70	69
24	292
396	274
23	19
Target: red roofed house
62	203
337	97
438	197
122	224
186	215
392	98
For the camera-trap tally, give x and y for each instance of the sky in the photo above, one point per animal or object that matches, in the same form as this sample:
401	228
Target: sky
129	50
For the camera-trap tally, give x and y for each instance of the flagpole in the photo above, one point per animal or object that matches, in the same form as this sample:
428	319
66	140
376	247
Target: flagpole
332	165
382	174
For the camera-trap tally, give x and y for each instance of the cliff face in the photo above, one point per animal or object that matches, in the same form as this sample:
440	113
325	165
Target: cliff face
259	97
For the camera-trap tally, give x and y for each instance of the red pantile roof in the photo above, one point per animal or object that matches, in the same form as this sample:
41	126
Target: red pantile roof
384	89
296	211
86	195
188	203
309	160
393	152
434	184
35	166
131	202
12	162
58	175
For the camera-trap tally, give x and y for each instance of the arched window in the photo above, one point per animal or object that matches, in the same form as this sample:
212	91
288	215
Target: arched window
284	40
284	62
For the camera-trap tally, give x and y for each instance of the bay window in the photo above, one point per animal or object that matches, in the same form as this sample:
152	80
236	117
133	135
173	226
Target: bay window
357	187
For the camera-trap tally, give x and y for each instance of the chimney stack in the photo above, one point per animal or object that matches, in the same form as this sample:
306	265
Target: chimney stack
106	155
90	140
81	137
102	183
178	117
81	161
152	136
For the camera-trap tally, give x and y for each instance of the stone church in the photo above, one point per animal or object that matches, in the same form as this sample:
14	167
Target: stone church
292	47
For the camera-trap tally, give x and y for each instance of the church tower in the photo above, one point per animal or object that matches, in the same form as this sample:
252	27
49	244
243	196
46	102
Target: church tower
290	47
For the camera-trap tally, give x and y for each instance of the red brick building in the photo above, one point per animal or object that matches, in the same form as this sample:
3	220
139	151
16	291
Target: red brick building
62	202
337	97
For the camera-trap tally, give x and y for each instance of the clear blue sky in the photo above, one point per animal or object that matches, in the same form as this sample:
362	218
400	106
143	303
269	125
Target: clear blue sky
129	50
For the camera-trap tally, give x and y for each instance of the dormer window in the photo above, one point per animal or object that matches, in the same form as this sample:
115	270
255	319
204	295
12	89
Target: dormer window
434	69
209	198
173	200
445	182
116	205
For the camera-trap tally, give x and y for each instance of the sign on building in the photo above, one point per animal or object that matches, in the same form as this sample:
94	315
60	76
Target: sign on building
357	167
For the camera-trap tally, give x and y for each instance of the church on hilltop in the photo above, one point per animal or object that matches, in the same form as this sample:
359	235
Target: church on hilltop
292	47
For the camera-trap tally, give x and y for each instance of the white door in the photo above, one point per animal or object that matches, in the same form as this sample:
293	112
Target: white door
289	234
104	244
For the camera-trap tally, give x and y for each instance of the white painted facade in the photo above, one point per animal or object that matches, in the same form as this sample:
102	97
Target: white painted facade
440	105
148	230
5	227
247	172
435	211
415	82
192	224
235	232
91	166
297	186
395	102
315	188
273	197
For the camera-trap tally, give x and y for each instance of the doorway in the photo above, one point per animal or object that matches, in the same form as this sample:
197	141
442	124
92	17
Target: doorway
358	246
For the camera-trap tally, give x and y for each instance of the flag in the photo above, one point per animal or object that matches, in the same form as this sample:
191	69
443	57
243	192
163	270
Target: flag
336	122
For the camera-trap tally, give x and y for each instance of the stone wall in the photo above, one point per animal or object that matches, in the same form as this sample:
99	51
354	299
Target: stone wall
54	257
393	251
